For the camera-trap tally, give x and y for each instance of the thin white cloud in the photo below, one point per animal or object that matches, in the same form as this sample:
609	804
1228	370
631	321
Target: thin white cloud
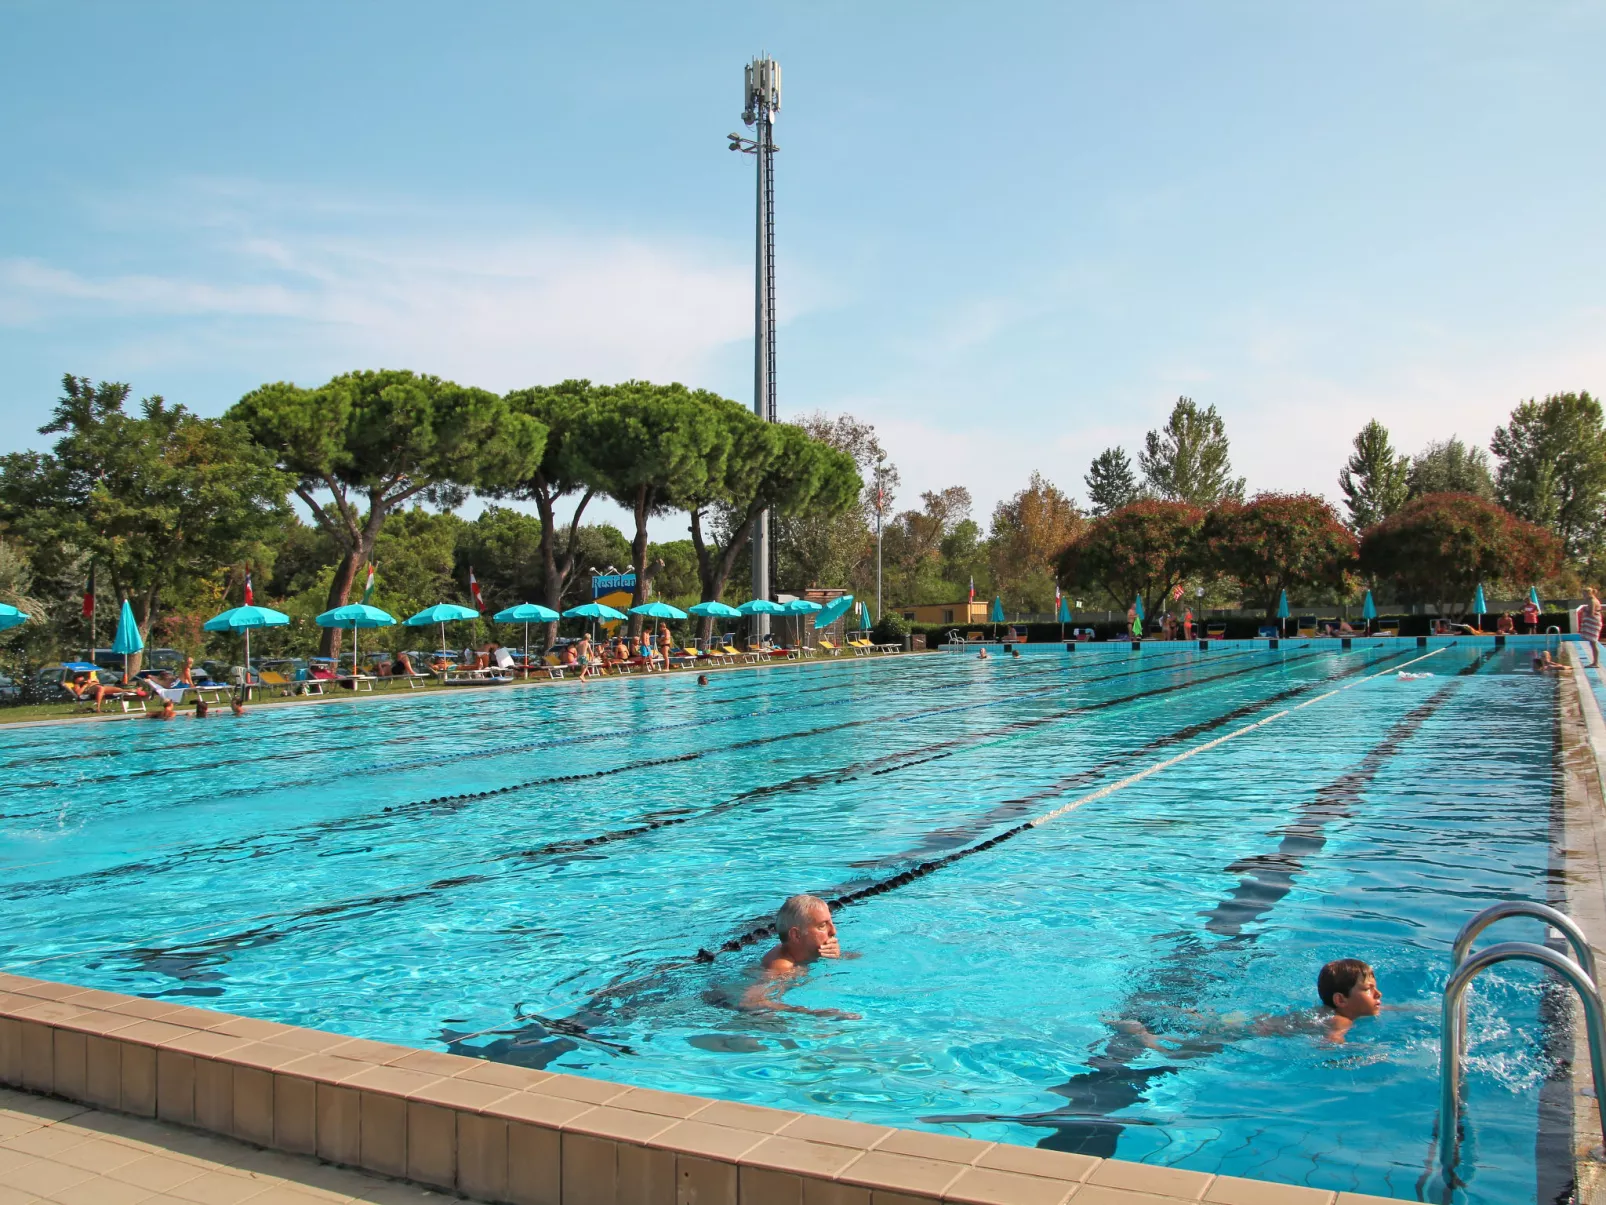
492	299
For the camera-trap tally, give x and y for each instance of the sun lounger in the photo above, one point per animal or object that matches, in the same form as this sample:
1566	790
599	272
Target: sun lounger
828	647
1216	631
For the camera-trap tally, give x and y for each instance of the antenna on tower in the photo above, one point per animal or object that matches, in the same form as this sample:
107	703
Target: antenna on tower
761	103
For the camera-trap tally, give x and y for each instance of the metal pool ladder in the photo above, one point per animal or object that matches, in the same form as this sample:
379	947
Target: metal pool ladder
1453	1015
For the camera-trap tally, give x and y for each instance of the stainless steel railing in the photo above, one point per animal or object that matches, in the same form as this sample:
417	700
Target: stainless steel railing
1580	973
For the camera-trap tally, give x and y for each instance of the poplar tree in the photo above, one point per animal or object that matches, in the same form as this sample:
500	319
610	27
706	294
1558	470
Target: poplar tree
1552	468
1111	484
1375	479
1187	460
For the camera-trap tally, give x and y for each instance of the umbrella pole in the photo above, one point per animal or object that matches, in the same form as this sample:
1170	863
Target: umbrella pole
526	650
245	690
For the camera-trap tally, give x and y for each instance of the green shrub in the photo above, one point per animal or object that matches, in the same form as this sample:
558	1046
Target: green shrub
891	629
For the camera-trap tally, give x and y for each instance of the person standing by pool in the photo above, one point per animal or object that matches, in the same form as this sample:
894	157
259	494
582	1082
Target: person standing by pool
1187	624
1530	617
583	656
1590	625
806	932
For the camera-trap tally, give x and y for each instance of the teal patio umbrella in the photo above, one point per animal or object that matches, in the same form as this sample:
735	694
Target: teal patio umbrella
864	618
1533	596
354	616
1368	610
242	620
995	615
1479	605
441	613
128	640
1282	612
525	613
1064	615
759	606
1137	608
658	610
594	611
714	610
833	611
10	617
798	608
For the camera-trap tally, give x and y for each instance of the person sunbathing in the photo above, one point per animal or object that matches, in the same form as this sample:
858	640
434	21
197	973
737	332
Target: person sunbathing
401	665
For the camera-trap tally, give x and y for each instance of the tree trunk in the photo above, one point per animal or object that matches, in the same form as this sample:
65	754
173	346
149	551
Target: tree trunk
638	551
555	570
339	592
712	574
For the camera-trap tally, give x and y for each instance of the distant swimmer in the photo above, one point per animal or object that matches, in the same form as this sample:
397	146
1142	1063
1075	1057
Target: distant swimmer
806	932
1407	677
983	654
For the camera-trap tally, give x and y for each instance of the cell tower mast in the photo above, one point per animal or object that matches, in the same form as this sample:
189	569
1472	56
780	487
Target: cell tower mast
761	102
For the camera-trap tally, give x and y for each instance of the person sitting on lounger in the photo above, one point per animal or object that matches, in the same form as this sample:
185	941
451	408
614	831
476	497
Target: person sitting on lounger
806	934
1506	626
402	665
186	672
87	686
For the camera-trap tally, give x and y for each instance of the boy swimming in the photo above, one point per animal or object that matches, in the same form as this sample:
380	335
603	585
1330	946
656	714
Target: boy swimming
1347	988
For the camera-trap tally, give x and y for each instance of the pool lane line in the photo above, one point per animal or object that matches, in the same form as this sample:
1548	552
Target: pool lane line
915	872
941	840
532	746
593	1007
452	802
1331	802
407	894
559	742
841	682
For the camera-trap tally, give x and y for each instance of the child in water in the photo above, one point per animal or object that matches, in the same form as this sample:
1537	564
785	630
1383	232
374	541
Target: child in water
1347	988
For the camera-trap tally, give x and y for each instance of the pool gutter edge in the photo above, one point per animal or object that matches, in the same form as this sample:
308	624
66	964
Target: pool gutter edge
495	1132
1584	881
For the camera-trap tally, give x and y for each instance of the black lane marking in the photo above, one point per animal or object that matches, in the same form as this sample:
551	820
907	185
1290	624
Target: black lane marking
284	922
449	803
1112	1083
947	838
624	998
1269	877
578	738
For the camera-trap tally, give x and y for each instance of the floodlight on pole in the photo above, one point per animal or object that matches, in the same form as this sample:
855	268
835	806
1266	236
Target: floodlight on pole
761	102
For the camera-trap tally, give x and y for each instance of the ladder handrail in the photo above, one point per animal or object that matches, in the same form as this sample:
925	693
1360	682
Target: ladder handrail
1452	1038
1583	952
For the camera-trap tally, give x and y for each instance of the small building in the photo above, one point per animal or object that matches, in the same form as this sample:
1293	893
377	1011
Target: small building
937	613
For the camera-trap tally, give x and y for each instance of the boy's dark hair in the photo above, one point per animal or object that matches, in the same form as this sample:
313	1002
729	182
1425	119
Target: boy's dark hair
1341	977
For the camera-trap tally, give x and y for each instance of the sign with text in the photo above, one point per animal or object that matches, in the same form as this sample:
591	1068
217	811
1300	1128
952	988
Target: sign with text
612	583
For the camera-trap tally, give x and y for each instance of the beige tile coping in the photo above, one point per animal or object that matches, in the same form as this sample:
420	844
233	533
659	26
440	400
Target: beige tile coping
499	1133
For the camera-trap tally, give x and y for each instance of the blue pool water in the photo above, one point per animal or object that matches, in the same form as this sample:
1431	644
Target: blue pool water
530	875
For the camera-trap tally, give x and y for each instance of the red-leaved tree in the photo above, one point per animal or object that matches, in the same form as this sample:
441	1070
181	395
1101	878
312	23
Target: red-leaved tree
1439	547
1279	542
1142	549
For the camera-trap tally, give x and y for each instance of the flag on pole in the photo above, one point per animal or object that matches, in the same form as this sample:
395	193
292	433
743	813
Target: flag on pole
368	590
474	589
972	589
1176	592
1057	596
248	595
89	596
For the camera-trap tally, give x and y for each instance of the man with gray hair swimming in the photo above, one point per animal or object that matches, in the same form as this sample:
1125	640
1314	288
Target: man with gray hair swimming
806	934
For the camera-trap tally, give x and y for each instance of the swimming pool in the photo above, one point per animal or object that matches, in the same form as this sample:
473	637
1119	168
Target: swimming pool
551	876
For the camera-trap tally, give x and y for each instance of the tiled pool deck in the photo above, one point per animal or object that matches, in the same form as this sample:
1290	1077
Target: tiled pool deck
232	1109
499	1133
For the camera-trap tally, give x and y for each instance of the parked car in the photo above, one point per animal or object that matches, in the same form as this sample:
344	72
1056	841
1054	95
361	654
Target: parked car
10	689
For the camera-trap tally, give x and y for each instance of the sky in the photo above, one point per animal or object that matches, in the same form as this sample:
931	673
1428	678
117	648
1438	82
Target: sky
1008	237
